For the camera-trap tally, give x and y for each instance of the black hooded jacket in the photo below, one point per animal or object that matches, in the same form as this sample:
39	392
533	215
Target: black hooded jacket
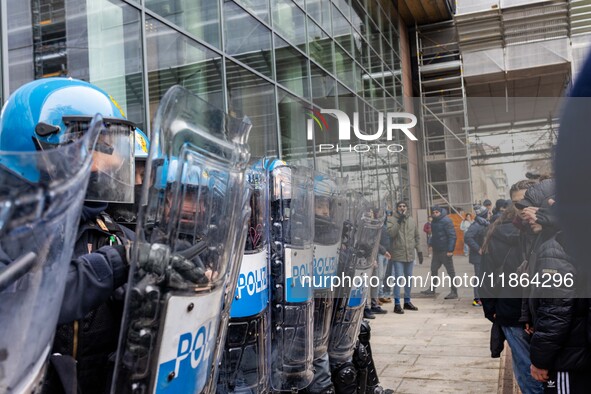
560	318
443	237
474	238
558	315
503	256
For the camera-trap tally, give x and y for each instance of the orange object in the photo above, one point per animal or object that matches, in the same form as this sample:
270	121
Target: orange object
457	220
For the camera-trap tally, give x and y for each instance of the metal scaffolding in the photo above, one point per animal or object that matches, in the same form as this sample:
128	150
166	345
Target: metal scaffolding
444	116
502	65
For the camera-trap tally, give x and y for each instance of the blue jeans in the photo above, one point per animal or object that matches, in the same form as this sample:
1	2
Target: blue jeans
516	338
402	268
384	290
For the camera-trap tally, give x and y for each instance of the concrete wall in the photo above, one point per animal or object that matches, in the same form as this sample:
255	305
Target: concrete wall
483	185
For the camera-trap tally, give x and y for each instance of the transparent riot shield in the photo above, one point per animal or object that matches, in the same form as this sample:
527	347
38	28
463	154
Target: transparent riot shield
244	365
41	196
291	236
329	209
361	237
183	261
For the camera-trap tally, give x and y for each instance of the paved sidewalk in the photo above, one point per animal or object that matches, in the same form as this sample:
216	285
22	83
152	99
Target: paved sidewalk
441	348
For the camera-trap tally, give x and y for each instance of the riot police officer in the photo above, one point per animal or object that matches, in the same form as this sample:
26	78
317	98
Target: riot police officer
43	179
191	231
90	315
329	209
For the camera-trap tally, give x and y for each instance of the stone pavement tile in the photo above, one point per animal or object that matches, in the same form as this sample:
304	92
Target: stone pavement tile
389	330
390	382
385	362
427	386
459	321
449	372
465	327
456	334
446	351
464	363
385	349
397	339
396	370
443	339
387	340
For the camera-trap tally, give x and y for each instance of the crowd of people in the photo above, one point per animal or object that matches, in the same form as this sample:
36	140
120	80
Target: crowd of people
546	327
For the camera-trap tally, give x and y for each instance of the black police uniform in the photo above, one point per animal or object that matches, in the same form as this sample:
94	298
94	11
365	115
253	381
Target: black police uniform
92	308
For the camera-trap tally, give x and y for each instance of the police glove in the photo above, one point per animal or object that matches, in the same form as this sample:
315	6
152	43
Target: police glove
122	250
420	254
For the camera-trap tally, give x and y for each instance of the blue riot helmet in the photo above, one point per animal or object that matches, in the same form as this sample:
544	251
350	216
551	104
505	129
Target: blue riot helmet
57	109
142	145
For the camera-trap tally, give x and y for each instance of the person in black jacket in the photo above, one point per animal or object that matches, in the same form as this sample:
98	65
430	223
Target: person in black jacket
443	242
559	347
474	238
502	305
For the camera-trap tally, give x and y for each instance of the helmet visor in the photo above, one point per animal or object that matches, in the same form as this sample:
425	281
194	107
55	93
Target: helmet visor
112	177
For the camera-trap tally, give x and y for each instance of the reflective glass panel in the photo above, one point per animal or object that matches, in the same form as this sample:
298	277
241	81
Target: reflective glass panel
98	41
292	120
320	11
323	87
252	96
174	59
341	30
260	8
290	21
320	46
201	18
345	67
247	39
292	68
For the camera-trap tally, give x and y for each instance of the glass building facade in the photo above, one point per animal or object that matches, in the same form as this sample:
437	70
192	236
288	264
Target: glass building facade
274	61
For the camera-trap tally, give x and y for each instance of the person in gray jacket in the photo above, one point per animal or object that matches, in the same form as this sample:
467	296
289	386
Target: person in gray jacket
405	240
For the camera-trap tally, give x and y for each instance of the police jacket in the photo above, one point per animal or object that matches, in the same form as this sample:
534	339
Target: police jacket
560	318
502	256
92	308
443	237
474	238
405	237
